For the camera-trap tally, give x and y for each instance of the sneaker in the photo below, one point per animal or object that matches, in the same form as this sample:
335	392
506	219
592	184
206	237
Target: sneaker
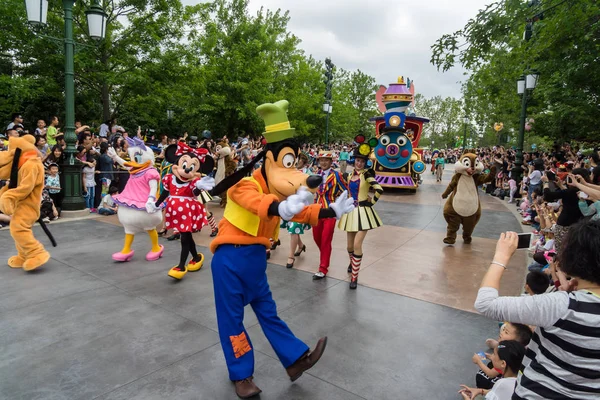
46	220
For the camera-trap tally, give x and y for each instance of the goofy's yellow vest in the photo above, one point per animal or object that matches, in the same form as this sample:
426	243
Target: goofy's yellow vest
243	219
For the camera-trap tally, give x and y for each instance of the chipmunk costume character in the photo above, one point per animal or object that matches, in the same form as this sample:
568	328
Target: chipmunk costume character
139	191
184	212
463	205
252	215
21	199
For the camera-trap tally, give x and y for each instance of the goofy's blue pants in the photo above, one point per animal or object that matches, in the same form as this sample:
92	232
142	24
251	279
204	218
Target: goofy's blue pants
240	278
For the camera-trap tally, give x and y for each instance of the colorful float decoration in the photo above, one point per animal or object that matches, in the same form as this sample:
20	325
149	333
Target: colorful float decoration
397	160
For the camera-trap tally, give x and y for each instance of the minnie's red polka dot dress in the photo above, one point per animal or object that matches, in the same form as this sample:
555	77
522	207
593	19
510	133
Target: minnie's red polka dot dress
183	212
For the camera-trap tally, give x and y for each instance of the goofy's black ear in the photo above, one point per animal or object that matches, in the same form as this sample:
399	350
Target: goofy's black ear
170	154
207	166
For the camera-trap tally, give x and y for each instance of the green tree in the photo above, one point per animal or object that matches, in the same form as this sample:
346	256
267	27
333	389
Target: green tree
445	120
564	48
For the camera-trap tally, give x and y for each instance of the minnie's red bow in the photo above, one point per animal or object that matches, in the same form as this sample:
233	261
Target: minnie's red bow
183	148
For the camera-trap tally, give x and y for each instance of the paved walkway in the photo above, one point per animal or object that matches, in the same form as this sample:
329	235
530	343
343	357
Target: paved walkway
84	327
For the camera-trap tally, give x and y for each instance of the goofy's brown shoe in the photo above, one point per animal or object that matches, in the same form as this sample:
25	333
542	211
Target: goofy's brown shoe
246	389
307	361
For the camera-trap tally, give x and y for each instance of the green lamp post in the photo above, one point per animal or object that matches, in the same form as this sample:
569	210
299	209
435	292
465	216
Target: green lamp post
327	108
37	12
525	84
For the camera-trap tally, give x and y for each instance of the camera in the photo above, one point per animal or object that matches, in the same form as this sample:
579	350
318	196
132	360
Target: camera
193	141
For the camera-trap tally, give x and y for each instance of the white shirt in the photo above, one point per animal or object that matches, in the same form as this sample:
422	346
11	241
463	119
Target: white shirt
89	176
535	177
502	390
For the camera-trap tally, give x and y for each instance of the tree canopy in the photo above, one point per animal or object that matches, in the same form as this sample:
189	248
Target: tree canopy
211	63
564	48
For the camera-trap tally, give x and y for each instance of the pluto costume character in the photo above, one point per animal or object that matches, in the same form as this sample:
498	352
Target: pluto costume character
21	199
252	215
140	190
463	205
225	167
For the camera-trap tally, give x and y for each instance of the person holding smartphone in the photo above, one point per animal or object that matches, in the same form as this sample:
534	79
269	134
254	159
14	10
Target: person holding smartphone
570	201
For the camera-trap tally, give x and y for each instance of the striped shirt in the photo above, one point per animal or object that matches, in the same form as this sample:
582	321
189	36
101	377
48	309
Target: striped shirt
332	187
563	357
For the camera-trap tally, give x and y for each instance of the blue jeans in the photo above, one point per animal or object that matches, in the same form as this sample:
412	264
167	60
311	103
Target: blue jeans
89	198
106	211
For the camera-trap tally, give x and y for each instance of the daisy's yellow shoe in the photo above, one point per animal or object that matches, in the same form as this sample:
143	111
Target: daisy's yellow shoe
176	273
196	265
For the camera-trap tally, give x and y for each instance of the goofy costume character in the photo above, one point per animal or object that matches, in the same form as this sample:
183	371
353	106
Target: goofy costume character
252	215
332	187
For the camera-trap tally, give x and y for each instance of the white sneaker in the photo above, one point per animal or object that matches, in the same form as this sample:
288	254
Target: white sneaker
318	275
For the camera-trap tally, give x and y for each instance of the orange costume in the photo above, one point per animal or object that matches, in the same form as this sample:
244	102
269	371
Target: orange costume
22	202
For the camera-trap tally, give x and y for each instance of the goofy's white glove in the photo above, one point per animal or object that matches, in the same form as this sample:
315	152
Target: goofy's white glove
294	204
151	207
307	197
343	205
206	183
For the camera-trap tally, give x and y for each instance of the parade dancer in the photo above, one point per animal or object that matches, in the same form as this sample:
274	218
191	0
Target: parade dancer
363	218
252	215
183	211
333	186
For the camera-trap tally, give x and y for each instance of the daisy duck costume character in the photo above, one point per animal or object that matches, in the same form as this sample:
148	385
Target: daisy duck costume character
183	212
133	201
252	215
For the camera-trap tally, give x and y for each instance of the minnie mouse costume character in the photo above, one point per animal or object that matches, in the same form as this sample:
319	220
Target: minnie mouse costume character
183	211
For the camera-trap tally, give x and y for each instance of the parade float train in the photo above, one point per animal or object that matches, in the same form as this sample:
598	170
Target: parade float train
397	160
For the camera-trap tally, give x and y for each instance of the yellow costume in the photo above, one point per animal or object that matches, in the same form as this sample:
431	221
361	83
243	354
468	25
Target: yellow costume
22	203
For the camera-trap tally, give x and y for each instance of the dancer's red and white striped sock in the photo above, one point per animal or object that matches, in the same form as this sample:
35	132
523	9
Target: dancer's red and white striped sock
355	260
212	222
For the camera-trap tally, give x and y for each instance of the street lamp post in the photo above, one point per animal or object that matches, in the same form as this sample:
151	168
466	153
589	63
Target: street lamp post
37	11
327	108
524	84
465	122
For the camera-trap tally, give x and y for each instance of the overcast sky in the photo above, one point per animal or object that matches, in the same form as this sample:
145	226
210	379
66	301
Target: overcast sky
383	38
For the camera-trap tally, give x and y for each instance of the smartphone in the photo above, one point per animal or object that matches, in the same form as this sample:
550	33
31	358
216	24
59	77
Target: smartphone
583	195
482	355
524	240
569	180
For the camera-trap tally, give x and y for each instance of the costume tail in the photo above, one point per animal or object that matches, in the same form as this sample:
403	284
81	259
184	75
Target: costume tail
45	228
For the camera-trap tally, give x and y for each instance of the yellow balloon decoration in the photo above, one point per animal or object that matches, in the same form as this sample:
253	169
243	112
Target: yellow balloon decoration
498	126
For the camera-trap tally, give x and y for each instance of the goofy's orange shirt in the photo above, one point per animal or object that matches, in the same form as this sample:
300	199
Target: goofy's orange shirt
247	195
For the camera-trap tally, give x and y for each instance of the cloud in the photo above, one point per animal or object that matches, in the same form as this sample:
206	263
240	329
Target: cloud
383	38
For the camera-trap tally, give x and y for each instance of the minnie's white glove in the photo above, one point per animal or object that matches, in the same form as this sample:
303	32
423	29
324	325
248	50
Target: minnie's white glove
206	183
151	207
343	205
293	205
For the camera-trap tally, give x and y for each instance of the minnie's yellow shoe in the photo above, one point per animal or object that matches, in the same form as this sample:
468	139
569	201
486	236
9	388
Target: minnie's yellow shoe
196	265
176	273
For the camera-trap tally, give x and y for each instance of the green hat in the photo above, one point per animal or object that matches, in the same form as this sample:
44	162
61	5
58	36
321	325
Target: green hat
277	125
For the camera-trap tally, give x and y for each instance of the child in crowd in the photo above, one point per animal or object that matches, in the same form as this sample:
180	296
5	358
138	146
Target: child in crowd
89	180
48	211
512	185
488	374
107	205
507	358
53	184
537	282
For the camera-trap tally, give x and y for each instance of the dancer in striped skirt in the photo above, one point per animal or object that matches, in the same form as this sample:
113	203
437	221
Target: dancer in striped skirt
363	218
